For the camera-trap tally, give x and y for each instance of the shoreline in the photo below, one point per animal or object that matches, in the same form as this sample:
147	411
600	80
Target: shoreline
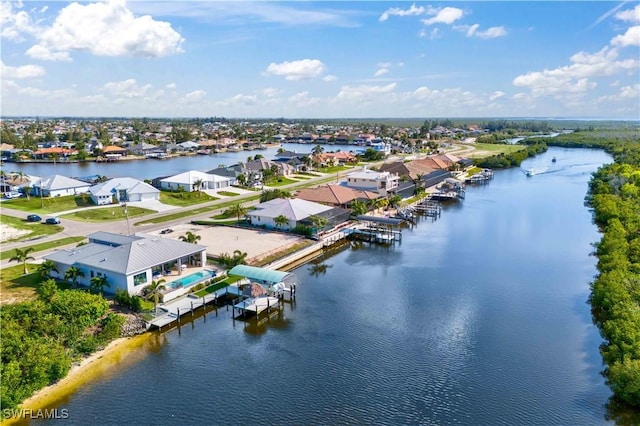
99	365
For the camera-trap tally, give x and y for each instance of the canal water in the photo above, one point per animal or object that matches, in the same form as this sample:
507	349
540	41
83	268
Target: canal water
477	318
153	168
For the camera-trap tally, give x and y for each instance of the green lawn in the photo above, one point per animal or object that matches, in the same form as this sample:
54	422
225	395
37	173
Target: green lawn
227	193
49	205
107	214
495	148
193	212
7	254
36	229
16	287
280	181
183	199
335	169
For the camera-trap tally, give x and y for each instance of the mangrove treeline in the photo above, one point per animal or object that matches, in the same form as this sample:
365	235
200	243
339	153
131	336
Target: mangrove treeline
42	338
614	196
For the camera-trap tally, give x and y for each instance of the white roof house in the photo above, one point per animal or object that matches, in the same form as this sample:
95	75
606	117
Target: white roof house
58	185
118	190
128	262
370	180
189	181
294	210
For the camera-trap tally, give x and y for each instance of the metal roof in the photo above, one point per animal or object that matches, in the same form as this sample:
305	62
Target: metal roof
383	220
262	274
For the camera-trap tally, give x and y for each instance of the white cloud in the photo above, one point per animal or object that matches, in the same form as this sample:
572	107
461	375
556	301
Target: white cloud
625	93
574	78
472	31
297	70
303	100
329	78
496	95
447	15
630	15
44	54
195	96
432	35
16	23
171	86
23	71
630	38
127	88
270	92
364	92
381	72
396	11
105	29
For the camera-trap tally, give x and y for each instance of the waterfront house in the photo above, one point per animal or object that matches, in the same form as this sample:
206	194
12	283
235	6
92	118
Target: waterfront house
129	262
122	189
58	153
143	148
383	183
411	170
294	209
58	185
194	180
261	164
114	151
335	195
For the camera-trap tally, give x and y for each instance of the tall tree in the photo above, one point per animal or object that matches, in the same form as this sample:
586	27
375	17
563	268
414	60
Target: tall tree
45	269
237	210
22	256
98	284
72	274
153	291
281	221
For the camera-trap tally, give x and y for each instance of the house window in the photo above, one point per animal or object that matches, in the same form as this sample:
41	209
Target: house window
92	274
140	279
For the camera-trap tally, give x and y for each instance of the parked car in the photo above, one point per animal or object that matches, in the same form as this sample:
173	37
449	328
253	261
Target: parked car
52	221
12	194
34	218
166	231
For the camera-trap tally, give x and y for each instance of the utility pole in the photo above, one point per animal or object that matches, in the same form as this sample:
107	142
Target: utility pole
126	214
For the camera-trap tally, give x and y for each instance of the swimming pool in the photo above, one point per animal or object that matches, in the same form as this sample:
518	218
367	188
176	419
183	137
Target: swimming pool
192	279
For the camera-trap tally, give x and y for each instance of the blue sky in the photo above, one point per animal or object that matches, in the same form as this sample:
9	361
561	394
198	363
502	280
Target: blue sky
328	59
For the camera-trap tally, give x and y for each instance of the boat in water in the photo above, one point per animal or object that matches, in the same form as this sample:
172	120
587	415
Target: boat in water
553	160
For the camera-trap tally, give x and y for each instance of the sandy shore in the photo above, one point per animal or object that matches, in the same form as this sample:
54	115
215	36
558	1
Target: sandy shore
100	365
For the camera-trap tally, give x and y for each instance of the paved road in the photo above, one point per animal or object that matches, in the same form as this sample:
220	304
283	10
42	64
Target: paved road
77	228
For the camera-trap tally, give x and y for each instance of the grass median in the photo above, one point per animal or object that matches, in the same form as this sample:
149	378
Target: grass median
8	254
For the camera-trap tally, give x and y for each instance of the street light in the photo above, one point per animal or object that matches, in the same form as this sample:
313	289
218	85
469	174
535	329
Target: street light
126	214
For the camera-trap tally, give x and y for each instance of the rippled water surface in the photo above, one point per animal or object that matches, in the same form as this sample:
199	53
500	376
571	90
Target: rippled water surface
477	318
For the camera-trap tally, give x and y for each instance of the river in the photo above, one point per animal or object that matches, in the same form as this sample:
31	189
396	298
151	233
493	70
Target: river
152	168
477	318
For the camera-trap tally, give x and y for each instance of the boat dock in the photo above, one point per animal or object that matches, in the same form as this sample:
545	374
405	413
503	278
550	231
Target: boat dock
256	305
480	178
177	308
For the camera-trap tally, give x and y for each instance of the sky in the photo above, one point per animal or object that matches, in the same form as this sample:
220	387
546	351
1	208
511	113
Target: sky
326	59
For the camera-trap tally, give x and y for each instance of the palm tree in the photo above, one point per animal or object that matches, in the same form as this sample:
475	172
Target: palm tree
98	284
197	184
242	180
358	207
46	267
153	291
237	210
318	222
190	237
22	256
239	258
318	149
72	274
395	200
281	221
